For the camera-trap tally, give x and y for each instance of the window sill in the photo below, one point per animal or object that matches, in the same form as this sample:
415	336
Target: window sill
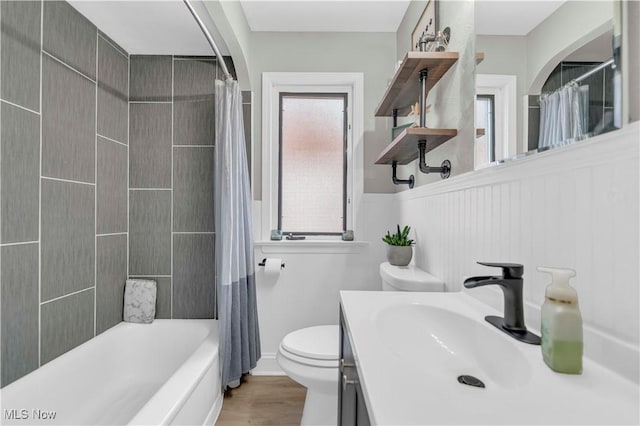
311	246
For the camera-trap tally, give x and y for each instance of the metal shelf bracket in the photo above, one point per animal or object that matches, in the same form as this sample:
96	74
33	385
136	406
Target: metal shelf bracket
411	181
444	169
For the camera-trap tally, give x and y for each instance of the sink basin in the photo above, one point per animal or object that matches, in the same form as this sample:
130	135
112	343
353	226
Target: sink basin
445	344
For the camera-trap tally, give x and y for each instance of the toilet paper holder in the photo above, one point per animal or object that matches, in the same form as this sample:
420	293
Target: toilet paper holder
264	261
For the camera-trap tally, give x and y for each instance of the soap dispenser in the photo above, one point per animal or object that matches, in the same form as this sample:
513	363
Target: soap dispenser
561	324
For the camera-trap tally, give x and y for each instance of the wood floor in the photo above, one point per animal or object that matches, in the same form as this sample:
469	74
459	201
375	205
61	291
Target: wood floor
263	400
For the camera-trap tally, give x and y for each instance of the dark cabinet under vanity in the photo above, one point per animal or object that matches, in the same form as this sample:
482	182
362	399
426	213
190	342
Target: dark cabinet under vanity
352	409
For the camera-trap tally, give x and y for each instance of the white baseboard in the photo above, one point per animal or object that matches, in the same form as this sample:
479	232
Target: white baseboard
268	366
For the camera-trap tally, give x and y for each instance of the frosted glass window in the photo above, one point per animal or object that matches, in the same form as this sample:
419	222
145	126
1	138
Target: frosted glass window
312	163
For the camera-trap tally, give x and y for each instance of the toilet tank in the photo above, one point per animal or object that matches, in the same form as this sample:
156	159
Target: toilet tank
408	278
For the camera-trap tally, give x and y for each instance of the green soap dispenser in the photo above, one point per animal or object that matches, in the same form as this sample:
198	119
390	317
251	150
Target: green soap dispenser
561	324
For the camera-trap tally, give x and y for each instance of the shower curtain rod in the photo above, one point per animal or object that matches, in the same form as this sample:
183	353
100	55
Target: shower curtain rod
209	38
591	72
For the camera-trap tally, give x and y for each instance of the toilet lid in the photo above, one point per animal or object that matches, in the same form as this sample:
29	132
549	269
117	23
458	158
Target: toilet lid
410	278
319	342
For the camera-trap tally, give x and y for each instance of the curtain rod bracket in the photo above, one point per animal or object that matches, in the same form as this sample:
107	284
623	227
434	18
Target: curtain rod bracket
212	43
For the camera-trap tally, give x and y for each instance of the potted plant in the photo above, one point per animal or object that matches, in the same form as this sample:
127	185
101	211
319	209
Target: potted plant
399	250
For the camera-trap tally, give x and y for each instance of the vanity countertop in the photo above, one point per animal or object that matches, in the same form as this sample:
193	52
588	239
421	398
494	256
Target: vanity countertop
408	371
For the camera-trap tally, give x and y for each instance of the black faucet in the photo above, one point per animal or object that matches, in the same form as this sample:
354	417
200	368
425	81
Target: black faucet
511	284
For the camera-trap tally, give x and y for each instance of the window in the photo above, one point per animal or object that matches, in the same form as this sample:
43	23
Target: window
312	154
496	114
485	121
313	163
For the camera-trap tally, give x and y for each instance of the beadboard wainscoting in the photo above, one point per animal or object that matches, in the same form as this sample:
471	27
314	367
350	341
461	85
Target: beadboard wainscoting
573	207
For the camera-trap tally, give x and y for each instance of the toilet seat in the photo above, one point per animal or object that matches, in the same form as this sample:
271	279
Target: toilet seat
314	346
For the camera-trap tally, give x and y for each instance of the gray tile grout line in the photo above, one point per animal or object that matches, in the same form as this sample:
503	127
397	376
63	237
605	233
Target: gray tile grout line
95	195
40	196
19	243
111	234
194	232
193	146
1	190
173	78
67	295
150	102
67	180
44	52
19	106
119	50
149	189
111	140
128	152
150	276
1	182
196	58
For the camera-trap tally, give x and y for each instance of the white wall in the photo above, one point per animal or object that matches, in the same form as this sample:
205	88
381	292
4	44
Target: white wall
574	24
307	292
369	53
506	55
575	207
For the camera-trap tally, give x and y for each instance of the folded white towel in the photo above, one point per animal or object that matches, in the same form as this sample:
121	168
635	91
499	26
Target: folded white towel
139	301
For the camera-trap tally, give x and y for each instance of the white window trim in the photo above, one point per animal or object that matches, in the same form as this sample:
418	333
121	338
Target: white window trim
273	83
503	88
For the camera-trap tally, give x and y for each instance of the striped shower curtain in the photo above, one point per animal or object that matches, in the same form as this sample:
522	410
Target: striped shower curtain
236	291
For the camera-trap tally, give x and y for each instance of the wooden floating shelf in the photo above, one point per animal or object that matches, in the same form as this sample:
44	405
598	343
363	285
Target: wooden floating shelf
479	57
404	148
404	89
480	132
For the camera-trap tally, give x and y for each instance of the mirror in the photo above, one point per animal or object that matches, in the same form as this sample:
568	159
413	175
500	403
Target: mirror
545	75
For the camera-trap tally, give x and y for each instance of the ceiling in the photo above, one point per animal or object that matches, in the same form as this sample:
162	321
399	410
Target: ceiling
166	26
151	27
514	17
324	16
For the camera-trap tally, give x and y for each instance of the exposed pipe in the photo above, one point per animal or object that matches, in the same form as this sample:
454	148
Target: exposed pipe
209	38
395	180
423	97
444	169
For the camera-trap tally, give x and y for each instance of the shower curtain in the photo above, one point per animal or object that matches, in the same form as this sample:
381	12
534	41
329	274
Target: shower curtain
235	278
564	115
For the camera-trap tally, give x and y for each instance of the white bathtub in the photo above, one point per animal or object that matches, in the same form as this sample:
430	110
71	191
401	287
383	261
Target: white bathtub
162	373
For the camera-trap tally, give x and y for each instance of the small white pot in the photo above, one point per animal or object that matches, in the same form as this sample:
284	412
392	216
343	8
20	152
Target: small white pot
399	255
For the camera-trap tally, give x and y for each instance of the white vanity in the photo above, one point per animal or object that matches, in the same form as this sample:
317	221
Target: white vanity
403	354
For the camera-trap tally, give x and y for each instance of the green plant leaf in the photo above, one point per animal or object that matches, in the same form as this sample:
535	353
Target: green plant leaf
400	238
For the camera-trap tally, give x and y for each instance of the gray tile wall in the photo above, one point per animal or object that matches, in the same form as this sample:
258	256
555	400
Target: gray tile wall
68	123
20	173
150	145
172	231
20	308
64	187
65	179
67	243
193	276
111	264
150	232
20	41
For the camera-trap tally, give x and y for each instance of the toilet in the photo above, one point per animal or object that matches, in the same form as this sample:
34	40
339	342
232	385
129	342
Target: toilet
310	355
408	278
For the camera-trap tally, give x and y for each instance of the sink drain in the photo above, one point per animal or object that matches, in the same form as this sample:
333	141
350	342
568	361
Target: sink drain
470	381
